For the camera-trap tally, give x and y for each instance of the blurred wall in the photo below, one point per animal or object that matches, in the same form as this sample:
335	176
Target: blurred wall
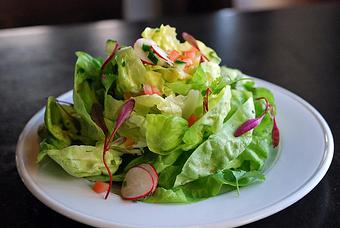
14	13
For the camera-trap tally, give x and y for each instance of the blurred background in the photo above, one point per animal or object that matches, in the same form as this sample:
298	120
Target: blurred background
17	13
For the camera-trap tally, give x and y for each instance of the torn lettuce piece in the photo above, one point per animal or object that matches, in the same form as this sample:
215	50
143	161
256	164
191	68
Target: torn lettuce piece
165	37
210	122
144	104
220	149
205	75
85	161
208	52
206	187
88	90
131	72
164	133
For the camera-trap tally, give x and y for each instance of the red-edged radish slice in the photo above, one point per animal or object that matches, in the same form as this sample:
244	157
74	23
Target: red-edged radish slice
151	169
146	63
138	47
138	183
162	54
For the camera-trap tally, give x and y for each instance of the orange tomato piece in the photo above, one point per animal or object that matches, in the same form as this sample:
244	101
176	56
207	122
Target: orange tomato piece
100	187
190	54
192	119
173	55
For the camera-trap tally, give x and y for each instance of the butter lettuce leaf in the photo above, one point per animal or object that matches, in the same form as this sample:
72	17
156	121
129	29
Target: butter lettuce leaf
85	161
164	133
220	149
210	122
87	91
165	37
131	72
206	187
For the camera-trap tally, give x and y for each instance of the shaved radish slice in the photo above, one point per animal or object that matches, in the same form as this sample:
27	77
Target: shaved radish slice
144	47
151	169
138	183
162	54
146	63
138	47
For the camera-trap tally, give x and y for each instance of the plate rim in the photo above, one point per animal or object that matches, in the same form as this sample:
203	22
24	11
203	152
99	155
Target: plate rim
264	212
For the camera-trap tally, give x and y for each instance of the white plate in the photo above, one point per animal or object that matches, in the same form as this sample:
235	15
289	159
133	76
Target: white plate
305	155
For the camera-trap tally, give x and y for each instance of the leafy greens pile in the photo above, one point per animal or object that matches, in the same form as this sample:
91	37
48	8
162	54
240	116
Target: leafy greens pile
205	128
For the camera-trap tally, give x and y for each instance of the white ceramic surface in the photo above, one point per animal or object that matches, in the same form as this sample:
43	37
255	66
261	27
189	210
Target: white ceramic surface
306	153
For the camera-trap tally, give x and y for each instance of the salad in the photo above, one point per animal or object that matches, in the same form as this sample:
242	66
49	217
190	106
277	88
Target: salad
163	120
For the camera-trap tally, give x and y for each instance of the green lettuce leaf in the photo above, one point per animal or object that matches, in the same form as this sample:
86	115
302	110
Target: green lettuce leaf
178	87
55	124
165	37
85	161
145	103
131	72
256	154
191	192
169	74
134	128
87	91
220	149
238	97
206	187
210	122
208	52
164	133
61	127
190	104
205	74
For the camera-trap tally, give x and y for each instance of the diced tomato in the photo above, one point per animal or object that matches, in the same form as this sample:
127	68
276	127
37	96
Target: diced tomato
147	89
100	187
190	54
192	119
128	142
173	55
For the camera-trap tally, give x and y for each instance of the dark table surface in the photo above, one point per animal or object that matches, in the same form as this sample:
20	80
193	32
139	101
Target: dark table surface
294	48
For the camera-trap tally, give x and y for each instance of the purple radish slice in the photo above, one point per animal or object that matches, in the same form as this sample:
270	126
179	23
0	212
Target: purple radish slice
138	183
151	169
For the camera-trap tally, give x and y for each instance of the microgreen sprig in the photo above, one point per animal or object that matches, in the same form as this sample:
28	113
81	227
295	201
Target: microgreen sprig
254	122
